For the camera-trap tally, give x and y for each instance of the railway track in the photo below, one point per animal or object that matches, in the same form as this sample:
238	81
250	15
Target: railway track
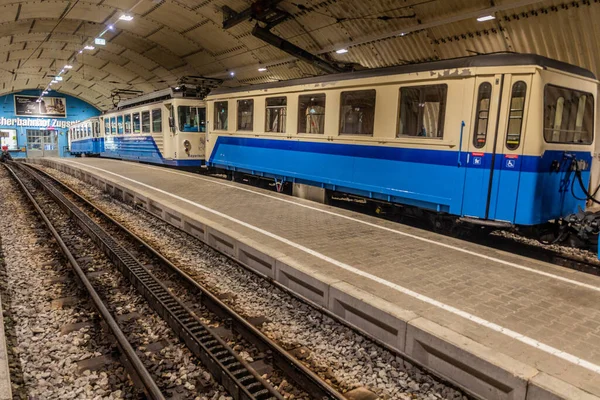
150	272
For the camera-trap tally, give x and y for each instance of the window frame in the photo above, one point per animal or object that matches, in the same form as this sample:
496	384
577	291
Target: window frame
121	129
441	123
522	116
237	122
147	112
340	119
133	114
544	115
477	118
153	120
128	129
216	113
278	107
324	94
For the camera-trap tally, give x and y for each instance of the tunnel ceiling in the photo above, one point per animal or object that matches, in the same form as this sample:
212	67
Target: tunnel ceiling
170	39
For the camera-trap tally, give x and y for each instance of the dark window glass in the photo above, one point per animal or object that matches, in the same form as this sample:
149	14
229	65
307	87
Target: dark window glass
423	111
276	113
482	115
221	115
357	112
113	125
515	116
311	113
192	119
146	121
136	123
107	126
157	120
127	123
245	115
120	124
568	116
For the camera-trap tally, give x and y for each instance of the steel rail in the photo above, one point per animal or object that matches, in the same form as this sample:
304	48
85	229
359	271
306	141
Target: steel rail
228	368
133	364
294	369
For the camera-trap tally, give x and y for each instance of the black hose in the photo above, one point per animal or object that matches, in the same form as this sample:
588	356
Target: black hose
581	185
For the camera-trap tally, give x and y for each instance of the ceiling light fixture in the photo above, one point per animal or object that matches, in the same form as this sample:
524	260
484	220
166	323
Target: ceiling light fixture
126	17
232	73
54	81
341	51
111	27
88	47
58	78
68	66
486	18
262	69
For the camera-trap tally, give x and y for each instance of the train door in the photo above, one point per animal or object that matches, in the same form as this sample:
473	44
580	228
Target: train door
42	143
486	102
494	161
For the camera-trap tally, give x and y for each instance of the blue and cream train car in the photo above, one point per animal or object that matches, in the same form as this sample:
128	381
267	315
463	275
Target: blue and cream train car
85	138
493	139
166	127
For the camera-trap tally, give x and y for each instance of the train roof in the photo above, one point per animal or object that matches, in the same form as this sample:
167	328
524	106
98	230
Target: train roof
485	60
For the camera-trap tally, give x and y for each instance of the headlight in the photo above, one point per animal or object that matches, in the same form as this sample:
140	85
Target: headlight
187	145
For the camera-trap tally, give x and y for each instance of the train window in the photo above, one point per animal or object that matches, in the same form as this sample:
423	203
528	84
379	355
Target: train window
276	113
146	121
515	117
311	113
221	113
136	123
568	115
423	111
357	113
192	119
127	123
120	124
245	115
157	120
482	115
106	126
113	125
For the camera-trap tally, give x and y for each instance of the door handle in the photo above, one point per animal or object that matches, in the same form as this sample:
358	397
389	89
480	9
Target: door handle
462	128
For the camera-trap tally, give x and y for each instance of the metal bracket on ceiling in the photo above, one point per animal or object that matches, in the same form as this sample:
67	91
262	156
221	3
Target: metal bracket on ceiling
267	13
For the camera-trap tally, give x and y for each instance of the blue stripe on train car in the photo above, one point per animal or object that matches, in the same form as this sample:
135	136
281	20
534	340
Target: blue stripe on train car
144	149
524	191
91	146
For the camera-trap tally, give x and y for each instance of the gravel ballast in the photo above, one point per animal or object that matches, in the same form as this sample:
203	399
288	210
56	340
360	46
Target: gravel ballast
335	352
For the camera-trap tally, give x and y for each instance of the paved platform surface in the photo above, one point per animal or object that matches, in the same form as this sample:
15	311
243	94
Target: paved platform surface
500	325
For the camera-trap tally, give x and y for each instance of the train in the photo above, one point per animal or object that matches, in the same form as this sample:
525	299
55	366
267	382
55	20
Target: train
167	127
85	138
496	141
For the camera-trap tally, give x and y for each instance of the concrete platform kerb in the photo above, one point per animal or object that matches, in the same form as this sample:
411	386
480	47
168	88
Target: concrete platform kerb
473	366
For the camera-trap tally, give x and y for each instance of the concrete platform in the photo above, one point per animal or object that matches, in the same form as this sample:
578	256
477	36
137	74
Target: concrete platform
499	325
5	386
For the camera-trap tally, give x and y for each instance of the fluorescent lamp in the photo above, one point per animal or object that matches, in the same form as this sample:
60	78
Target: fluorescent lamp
486	18
126	17
262	69
88	47
54	81
58	78
68	66
341	51
100	42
